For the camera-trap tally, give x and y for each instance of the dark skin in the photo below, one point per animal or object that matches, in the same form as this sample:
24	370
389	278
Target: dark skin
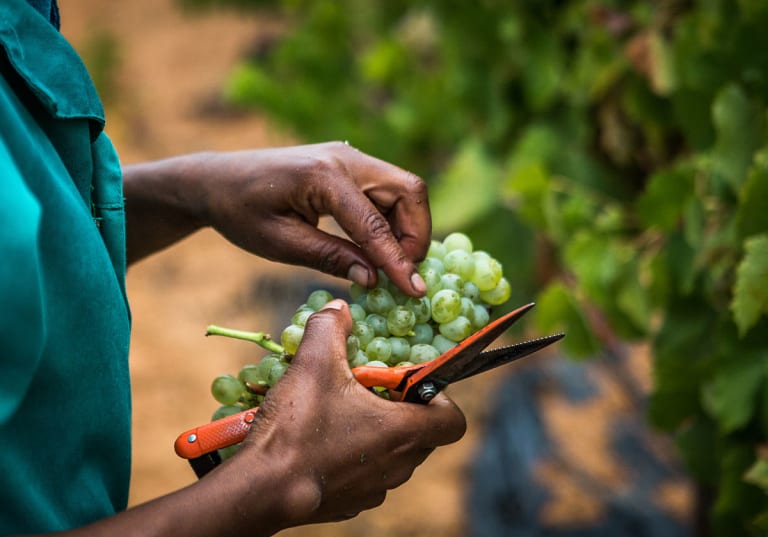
323	448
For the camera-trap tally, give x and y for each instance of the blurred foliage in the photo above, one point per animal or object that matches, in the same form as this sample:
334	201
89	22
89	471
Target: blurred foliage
613	155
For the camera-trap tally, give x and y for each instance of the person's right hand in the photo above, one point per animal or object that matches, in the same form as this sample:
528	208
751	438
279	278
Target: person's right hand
338	446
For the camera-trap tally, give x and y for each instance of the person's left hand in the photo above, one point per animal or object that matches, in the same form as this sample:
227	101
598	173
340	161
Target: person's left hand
270	201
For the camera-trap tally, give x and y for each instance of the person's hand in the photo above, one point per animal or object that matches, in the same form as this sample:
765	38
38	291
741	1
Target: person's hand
269	202
338	447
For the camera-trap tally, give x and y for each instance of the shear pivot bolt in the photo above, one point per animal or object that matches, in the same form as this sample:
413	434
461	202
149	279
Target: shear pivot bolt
192	438
427	391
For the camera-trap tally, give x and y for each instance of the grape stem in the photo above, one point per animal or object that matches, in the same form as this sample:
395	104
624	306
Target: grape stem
260	338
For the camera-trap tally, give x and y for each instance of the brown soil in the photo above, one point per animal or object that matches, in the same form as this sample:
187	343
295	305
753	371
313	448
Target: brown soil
169	76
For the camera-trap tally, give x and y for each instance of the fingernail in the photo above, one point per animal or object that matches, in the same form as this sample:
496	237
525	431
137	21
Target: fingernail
335	304
358	274
418	283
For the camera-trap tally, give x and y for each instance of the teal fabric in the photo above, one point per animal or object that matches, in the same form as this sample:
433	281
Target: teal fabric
64	319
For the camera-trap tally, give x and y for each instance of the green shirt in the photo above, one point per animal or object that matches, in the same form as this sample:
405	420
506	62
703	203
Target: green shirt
64	320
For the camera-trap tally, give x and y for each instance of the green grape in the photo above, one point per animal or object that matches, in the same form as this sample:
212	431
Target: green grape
420	308
379	349
277	371
227	389
380	301
378	323
300	317
364	333
446	305
362	301
479	316
432	263
266	363
432	280
498	295
318	299
377	363
353	345
422	333
401	349
422	352
400	297
467	307
357	312
359	358
471	291
291	338
459	262
356	290
400	321
250	373
436	250
457	329
225	411
487	273
457	241
404	363
453	282
442	343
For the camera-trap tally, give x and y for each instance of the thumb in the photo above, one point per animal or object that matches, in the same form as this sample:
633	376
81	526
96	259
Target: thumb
324	344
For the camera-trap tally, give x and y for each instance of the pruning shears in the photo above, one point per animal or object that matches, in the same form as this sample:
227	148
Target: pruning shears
414	384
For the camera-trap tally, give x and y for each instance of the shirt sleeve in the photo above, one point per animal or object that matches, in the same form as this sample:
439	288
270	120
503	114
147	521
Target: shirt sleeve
22	332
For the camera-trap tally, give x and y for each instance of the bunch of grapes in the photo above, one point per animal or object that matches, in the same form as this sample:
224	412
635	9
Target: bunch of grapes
390	328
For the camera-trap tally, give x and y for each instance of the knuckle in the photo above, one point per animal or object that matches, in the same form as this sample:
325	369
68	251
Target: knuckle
377	226
415	184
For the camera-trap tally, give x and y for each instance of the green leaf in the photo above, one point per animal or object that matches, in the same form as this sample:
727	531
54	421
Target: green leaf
740	126
761	522
730	397
683	345
750	293
557	309
758	474
665	196
699	462
735	497
663	78
752	214
466	190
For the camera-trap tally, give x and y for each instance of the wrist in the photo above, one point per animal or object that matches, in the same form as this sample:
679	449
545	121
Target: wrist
165	201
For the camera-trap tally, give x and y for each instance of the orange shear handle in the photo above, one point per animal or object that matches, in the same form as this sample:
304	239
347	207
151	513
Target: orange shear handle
227	431
214	435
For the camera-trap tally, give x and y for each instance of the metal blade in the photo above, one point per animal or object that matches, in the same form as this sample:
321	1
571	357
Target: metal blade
504	355
452	365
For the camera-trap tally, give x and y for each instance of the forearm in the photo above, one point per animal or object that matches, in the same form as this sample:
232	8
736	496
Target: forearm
164	203
220	505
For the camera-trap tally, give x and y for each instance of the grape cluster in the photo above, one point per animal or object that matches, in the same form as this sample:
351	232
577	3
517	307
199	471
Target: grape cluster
390	328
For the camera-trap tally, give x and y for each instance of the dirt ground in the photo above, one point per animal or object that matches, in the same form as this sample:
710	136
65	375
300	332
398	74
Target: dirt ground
170	70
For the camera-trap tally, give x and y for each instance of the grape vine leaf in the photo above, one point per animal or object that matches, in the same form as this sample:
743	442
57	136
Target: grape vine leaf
740	127
557	309
758	474
665	196
730	397
751	215
466	190
750	293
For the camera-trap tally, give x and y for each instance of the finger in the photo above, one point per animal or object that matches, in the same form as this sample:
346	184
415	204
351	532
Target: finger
325	337
405	201
369	228
440	422
308	246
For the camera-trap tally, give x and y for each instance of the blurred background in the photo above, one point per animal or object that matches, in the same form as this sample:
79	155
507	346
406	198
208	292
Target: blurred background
613	155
